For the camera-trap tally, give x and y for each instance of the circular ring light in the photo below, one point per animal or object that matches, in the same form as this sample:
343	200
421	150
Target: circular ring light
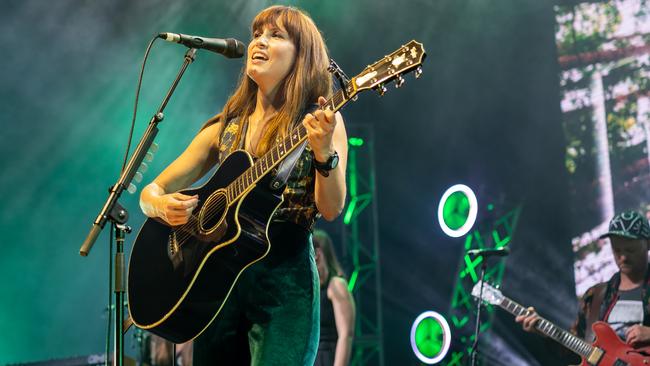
430	337
457	210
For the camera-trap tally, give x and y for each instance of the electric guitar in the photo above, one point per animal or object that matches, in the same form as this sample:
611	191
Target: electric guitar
607	349
180	277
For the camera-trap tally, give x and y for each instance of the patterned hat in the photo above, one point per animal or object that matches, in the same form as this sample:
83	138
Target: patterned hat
629	224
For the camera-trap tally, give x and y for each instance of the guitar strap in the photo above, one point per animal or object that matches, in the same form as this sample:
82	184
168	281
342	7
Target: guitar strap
286	166
594	310
284	169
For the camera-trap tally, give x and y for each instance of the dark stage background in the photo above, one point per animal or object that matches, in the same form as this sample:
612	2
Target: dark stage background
485	113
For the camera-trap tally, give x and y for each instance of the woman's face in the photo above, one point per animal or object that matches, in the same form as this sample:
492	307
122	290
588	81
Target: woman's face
271	55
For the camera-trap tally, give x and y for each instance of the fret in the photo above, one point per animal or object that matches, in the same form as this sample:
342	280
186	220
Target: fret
338	99
544	325
551	330
332	105
284	144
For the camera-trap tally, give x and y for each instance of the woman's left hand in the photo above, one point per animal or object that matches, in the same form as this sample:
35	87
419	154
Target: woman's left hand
320	129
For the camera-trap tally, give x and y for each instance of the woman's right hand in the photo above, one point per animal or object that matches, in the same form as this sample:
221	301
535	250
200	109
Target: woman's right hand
173	208
176	208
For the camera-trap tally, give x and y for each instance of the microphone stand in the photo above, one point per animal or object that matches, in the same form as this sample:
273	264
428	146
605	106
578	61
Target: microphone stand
114	212
479	305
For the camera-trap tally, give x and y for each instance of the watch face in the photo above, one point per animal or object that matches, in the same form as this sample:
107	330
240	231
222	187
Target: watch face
334	161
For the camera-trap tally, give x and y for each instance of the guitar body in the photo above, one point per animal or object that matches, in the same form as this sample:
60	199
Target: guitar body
179	279
616	352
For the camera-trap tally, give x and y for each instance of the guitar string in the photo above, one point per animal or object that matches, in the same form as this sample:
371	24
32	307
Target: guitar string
186	230
336	102
212	209
574	343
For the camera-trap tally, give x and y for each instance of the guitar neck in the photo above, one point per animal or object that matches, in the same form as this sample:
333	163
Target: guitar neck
551	330
279	151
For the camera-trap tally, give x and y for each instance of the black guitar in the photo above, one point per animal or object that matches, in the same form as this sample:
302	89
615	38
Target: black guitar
180	277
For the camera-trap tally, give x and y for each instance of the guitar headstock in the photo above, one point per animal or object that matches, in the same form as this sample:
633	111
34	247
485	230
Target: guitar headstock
407	58
491	295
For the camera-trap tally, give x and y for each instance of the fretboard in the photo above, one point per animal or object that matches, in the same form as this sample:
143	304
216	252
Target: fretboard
278	152
551	330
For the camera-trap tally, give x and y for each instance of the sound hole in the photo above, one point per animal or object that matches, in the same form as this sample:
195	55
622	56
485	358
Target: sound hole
213	212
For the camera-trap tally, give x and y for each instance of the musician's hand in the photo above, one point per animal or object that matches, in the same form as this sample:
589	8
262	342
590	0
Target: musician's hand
320	129
529	320
175	208
637	334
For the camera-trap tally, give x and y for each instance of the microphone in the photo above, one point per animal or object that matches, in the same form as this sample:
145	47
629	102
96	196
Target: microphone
493	252
228	47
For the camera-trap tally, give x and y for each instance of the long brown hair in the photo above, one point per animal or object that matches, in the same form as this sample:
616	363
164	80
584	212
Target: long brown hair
307	80
323	241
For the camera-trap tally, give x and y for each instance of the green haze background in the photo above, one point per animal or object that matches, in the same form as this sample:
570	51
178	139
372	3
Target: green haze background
485	113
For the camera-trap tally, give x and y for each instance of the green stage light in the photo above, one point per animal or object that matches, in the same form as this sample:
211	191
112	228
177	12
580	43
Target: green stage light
355	141
430	337
457	210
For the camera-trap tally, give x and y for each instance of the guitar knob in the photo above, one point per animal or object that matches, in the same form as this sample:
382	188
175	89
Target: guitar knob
418	72
399	82
381	89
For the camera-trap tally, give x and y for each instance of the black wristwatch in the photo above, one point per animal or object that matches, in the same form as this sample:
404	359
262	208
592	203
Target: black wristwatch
331	163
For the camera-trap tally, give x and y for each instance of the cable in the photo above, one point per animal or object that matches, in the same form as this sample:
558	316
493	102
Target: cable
137	97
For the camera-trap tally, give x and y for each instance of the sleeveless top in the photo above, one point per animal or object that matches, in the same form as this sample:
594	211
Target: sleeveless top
328	333
299	204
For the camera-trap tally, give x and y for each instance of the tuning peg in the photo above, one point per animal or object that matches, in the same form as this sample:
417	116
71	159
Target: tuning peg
399	81
381	89
149	157
143	168
154	147
418	72
137	177
132	188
